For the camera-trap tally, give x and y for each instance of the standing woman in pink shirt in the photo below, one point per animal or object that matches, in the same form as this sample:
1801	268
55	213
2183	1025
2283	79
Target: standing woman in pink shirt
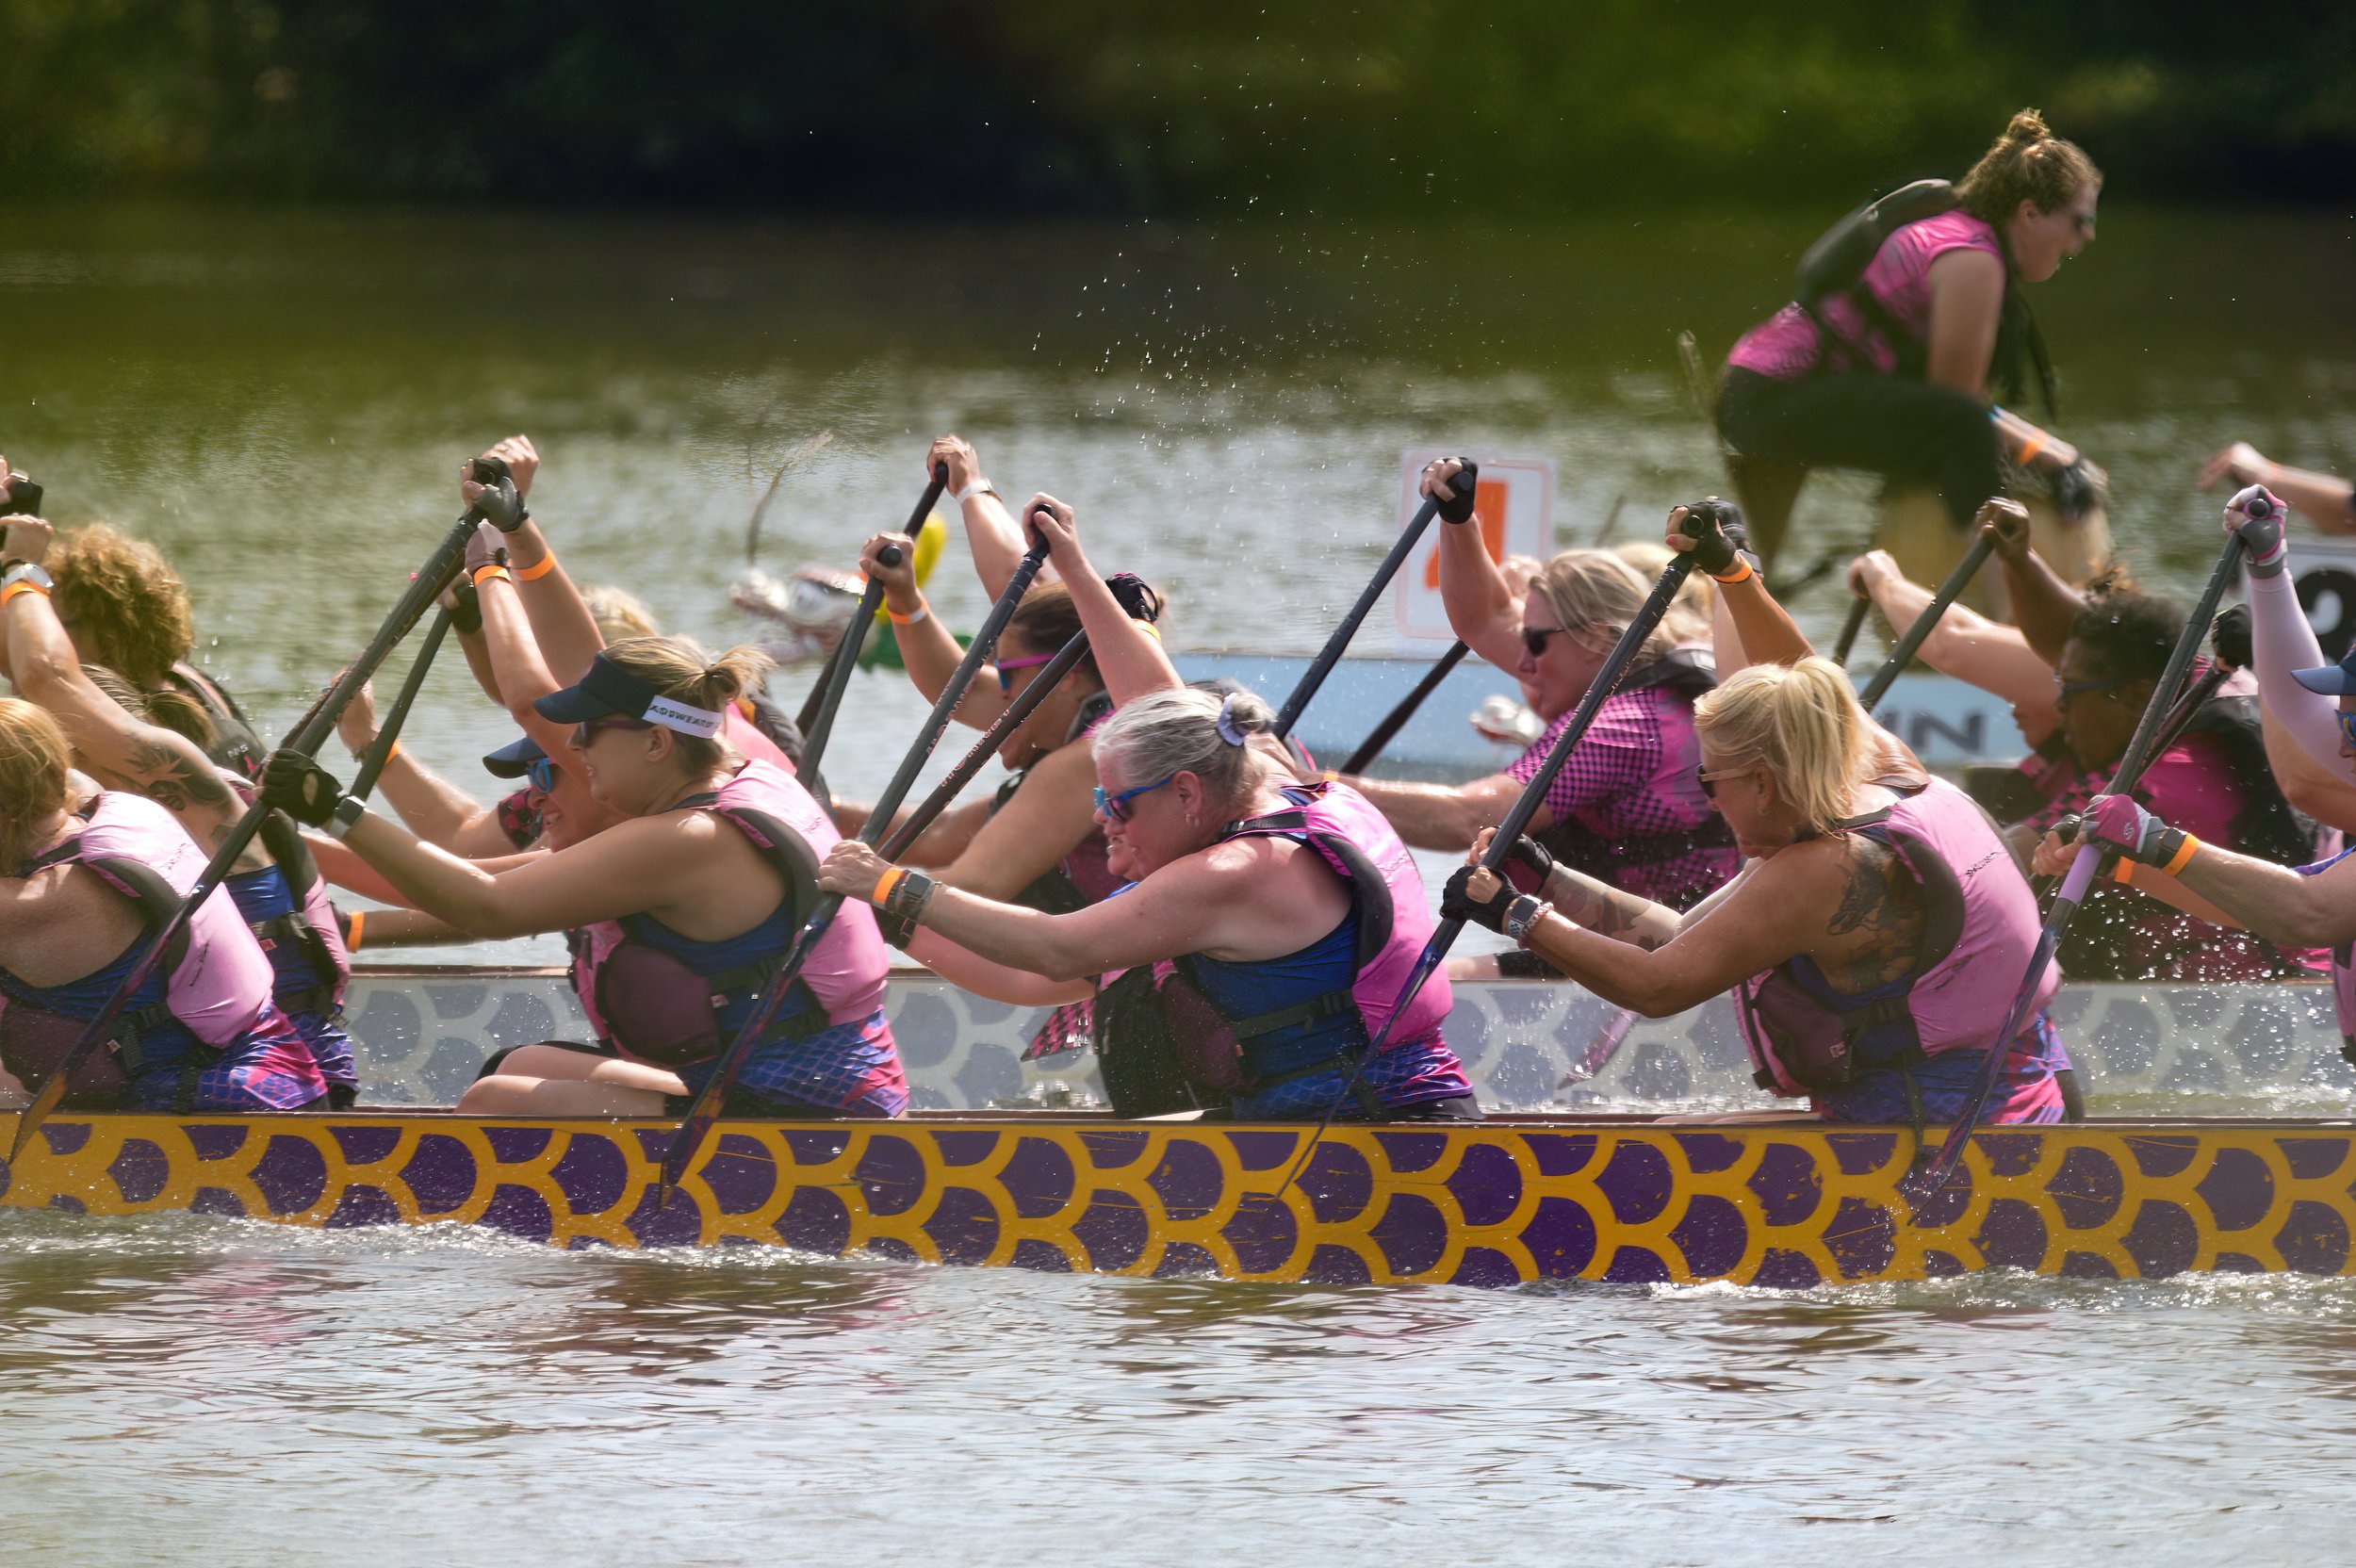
1893	374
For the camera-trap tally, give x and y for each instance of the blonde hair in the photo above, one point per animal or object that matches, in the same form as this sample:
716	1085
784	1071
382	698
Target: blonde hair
679	669
1595	588
34	760
1175	731
1688	619
619	613
1800	722
130	609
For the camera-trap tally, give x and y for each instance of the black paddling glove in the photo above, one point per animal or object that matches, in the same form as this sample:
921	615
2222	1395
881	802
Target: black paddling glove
1457	902
1533	857
301	788
466	609
1457	505
1136	596
1716	548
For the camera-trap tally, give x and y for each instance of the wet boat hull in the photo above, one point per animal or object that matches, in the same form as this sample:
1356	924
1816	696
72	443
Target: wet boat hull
1500	1204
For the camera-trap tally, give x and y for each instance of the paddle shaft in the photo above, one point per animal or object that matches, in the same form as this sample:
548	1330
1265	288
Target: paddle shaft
1371	747
1640	627
440	567
808	715
1339	642
1042	686
820	729
2141	748
388	736
1958	580
1859	609
694	1129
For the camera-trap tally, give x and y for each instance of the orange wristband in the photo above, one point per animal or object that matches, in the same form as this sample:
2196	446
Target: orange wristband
25	586
2177	861
2034	445
351	941
884	885
484	574
1741	572
898	619
539	569
2124	873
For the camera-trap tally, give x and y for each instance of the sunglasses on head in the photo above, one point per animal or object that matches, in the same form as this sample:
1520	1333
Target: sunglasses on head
1116	807
1026	661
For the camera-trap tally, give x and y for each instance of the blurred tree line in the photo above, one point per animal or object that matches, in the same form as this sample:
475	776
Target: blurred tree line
988	108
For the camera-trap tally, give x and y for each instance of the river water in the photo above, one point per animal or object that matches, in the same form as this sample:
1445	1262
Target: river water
282	399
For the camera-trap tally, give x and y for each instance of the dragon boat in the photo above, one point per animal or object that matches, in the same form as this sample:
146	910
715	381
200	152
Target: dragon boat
1580	1184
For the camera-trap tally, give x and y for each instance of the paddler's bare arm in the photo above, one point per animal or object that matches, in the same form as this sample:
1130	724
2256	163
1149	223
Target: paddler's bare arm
1446	816
1128	652
969	970
1481	607
2270	901
1766	631
373	929
2325	500
1598	905
1239	900
990	531
524	674
928	650
1965	644
433	809
563	624
2042	604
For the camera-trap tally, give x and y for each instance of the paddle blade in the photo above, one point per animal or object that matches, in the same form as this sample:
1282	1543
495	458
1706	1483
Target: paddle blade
45	1101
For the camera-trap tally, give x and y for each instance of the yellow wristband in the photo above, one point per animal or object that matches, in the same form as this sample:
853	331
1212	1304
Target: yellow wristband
484	574
24	585
1741	572
884	885
2183	853
2029	450
351	940
539	569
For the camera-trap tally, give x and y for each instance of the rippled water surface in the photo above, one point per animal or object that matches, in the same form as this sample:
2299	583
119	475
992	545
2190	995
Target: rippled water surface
281	399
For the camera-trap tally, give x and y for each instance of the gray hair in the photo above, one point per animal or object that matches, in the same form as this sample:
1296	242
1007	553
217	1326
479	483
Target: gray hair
1186	730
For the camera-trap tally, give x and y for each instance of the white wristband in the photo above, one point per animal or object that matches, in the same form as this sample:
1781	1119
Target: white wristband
347	814
977	487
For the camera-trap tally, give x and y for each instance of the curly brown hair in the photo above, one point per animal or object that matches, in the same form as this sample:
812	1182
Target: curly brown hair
123	605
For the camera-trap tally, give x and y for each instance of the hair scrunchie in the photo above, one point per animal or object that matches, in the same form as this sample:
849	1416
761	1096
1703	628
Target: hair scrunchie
1229	730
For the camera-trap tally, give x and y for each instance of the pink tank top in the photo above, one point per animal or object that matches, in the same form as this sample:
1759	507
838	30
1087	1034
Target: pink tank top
1788	346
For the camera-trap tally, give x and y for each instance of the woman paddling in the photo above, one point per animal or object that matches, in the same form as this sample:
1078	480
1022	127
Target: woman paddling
1278	918
1626	808
97	874
1871	940
1892	374
689	903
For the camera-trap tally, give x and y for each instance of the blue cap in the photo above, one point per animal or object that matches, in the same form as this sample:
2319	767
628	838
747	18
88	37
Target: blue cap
2332	680
514	759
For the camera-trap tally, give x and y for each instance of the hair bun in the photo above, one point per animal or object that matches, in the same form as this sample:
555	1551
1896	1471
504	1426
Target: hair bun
2027	127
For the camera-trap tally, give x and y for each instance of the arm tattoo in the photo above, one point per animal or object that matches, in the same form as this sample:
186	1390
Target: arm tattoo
175	779
1609	912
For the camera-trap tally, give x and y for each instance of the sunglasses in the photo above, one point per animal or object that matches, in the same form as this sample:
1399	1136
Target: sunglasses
1709	781
1024	664
540	772
1534	638
2064	690
587	729
1116	807
2348	727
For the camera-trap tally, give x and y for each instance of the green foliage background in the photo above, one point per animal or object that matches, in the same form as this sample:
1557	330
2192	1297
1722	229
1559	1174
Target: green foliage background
989	106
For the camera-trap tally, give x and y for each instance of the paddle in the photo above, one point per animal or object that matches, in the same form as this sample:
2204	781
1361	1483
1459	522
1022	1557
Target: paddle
434	576
1371	747
1859	609
837	677
1339	642
2141	749
1639	626
695	1128
1042	686
1607	1042
381	749
811	703
1956	581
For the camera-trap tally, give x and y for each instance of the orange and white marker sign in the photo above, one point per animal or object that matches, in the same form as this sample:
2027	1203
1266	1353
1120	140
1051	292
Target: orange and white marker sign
1514	501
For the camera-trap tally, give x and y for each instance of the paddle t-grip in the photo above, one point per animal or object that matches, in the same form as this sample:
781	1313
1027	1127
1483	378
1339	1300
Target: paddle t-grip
888	556
24	497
